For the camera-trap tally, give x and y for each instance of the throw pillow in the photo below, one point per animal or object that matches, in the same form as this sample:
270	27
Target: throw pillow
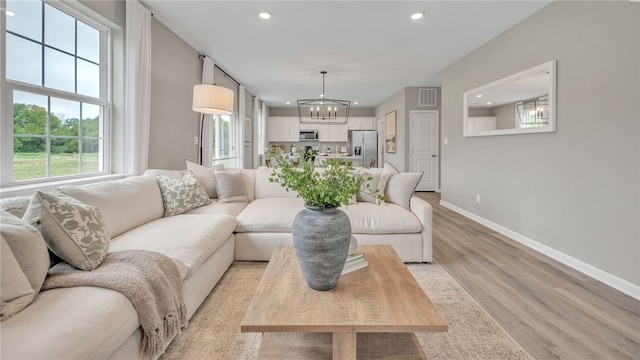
181	195
73	230
366	194
400	188
25	262
230	187
387	171
206	176
16	292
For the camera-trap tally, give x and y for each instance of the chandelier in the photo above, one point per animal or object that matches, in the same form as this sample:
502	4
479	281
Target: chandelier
323	110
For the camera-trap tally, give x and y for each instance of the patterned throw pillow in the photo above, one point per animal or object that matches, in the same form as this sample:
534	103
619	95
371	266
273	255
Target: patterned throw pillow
72	229
181	195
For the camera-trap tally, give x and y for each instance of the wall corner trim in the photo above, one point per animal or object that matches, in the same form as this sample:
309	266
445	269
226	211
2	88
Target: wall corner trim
615	282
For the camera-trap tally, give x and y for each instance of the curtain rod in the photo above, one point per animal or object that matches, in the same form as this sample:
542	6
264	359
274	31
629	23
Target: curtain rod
221	69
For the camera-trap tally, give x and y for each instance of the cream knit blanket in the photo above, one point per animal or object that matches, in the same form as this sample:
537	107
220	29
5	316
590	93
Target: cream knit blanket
150	280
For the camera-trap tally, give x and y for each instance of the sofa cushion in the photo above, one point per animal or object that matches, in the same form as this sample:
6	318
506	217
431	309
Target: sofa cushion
217	207
231	187
266	189
269	215
72	230
206	176
82	322
249	178
367	218
124	204
188	238
181	195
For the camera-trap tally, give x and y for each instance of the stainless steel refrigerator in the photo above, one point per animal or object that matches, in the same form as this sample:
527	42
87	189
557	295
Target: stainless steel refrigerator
365	145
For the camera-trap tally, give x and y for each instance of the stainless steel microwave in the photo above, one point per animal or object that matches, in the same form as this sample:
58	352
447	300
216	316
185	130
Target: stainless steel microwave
308	135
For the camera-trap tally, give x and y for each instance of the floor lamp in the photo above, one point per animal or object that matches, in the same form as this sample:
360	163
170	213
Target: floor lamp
211	100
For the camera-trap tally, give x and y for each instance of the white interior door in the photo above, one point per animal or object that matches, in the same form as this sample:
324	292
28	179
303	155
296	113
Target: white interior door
424	148
381	143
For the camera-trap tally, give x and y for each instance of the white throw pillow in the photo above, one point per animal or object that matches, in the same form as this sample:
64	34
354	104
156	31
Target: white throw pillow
181	195
367	191
206	176
25	262
230	187
72	230
400	188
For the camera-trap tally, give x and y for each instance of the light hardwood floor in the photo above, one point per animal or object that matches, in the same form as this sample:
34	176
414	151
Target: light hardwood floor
551	310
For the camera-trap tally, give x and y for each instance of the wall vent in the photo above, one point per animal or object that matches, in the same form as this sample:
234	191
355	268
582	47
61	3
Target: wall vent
428	97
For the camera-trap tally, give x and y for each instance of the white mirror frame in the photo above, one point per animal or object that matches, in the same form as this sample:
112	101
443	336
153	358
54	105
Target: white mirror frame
550	66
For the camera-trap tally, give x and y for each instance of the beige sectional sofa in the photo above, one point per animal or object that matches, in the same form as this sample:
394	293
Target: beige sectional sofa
96	323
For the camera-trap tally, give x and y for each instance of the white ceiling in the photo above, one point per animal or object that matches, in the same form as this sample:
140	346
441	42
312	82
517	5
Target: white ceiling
370	49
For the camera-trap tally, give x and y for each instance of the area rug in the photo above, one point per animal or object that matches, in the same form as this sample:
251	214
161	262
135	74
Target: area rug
214	331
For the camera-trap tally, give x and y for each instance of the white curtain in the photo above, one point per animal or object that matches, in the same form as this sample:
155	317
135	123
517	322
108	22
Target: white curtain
263	126
257	133
138	87
241	115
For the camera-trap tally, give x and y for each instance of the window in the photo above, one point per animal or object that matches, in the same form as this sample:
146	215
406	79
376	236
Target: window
224	138
57	102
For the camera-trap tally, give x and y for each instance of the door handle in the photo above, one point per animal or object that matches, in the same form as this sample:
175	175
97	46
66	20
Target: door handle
434	155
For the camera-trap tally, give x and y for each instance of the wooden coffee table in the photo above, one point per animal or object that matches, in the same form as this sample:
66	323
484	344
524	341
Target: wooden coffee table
372	313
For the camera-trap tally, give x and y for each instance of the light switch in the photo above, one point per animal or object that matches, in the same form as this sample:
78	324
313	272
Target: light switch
446	141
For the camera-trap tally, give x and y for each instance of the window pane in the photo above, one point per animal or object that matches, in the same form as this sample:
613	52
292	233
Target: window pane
64	157
59	29
91	126
24	60
29	158
88	79
88	42
91	150
29	115
59	70
64	117
27	18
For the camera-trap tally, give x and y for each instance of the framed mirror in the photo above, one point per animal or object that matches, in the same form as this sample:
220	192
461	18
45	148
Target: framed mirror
522	103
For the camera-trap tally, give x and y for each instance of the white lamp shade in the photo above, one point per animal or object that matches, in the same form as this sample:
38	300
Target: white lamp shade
212	99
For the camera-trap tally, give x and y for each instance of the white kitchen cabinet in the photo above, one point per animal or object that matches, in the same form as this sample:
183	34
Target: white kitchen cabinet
361	123
284	128
333	133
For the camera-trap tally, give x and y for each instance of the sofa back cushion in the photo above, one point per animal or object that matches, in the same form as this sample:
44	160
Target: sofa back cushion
124	204
266	189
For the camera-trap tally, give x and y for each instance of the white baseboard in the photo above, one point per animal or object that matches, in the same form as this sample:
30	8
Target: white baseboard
615	282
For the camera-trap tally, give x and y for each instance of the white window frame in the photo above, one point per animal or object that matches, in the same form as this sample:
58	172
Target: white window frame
6	107
235	139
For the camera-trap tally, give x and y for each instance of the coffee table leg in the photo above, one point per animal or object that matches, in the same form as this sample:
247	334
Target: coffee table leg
344	346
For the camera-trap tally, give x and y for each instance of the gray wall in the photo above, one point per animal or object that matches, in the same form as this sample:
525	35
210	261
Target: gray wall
403	101
505	116
175	69
576	190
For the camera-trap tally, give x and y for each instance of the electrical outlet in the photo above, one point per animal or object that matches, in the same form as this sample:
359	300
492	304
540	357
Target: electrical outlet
446	141
195	140
477	198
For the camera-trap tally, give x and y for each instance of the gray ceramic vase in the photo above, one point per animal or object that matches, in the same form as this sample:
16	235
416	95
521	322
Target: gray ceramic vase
321	238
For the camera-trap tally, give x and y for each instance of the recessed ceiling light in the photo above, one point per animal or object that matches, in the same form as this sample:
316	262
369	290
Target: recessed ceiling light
417	16
479	95
489	103
355	103
265	15
288	102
